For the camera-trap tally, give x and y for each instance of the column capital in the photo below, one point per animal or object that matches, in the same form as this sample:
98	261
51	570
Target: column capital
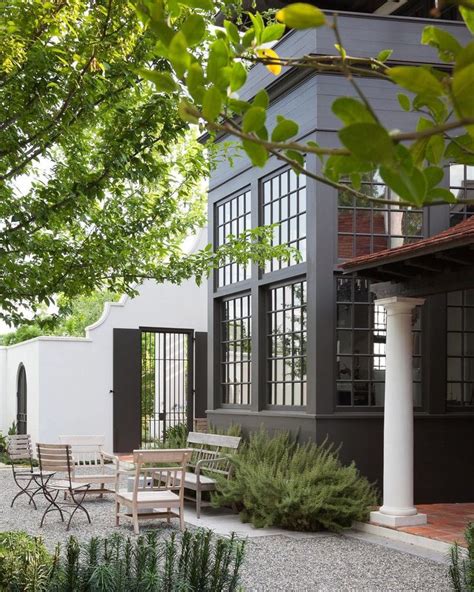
399	304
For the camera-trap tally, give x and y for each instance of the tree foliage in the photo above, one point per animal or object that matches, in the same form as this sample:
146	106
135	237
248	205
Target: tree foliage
210	66
100	179
72	318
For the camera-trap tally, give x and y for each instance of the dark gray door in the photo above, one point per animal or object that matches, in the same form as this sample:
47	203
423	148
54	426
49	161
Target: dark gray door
200	374
126	390
167	382
21	399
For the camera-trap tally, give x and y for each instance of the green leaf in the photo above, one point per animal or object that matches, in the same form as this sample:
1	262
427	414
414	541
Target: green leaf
461	150
178	54
417	79
448	46
218	58
248	38
463	93
440	194
232	32
254	119
435	106
351	110
258	25
368	141
199	4
435	149
238	76
257	153
342	166
468	17
404	101
194	29
212	103
433	176
162	80
384	55
410	187
195	81
261	99
297	157
238	106
465	57
273	32
284	129
183	112
301	16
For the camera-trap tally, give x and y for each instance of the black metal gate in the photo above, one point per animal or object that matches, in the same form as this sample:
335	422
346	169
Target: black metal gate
21	401
166	382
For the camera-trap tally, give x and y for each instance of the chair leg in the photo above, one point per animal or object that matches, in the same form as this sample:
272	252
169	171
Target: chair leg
136	527
168	517
52	505
181	518
102	486
79	506
117	514
198	503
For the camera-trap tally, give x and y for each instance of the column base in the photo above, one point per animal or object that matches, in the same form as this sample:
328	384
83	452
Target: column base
397	521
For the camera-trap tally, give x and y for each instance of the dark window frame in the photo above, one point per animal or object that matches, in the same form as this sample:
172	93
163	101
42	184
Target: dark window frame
271	360
238	273
369	329
225	342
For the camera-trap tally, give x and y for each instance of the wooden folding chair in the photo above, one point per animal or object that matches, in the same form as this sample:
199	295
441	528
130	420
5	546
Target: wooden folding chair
158	483
57	458
19	449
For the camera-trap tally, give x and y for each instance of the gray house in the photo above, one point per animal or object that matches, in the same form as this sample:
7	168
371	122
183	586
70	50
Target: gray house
302	346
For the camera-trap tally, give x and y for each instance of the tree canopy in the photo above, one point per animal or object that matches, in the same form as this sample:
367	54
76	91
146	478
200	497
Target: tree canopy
410	162
100	178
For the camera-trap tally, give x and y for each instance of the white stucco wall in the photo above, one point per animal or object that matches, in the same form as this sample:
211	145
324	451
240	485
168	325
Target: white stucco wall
70	379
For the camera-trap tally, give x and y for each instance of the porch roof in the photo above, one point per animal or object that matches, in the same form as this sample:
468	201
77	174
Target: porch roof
443	262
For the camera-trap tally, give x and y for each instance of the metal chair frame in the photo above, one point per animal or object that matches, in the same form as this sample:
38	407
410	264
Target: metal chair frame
58	458
19	448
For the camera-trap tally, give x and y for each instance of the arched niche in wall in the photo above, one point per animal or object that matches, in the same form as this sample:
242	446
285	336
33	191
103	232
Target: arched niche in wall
21	401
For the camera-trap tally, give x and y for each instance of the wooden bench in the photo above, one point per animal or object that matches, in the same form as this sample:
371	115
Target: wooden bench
87	452
211	455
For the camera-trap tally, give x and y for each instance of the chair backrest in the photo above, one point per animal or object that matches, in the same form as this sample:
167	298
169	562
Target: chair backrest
214	448
159	470
56	458
86	450
19	448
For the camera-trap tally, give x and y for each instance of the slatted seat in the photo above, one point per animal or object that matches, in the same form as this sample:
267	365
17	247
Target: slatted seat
57	459
156	489
88	452
211	454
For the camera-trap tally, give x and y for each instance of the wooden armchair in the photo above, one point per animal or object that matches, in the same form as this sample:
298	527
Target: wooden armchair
157	484
88	452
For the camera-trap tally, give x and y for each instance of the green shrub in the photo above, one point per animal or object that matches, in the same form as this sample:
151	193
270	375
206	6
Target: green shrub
197	562
175	436
278	482
461	570
25	563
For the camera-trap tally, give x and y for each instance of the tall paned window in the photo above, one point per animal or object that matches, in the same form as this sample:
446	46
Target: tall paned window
284	204
236	353
366	227
461	182
460	346
232	218
287	362
360	346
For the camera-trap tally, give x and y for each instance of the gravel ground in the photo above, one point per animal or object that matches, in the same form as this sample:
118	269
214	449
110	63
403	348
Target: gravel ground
320	562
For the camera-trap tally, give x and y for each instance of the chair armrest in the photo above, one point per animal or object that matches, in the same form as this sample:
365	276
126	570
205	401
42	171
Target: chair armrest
108	456
204	461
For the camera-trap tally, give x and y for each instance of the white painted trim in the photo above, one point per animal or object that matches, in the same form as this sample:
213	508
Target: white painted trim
47	338
390	6
405	537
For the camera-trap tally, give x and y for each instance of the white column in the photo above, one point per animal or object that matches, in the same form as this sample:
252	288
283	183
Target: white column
398	508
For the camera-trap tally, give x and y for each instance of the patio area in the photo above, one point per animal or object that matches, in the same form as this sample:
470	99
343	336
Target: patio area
275	559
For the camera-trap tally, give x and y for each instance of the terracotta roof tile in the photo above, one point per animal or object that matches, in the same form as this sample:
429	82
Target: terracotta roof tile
461	234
